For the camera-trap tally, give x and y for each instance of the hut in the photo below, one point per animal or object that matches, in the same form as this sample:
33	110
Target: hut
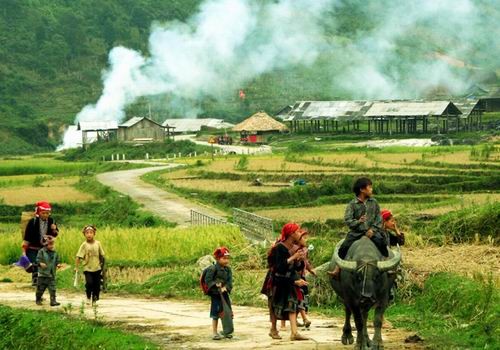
257	127
472	114
97	131
141	130
412	117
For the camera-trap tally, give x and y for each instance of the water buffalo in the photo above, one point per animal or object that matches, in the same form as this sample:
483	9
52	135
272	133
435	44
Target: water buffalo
364	283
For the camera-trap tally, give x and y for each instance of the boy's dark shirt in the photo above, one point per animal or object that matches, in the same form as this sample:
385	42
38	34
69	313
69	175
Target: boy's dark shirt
219	274
49	257
355	209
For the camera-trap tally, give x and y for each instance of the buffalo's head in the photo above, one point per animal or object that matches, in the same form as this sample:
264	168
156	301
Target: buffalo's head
367	273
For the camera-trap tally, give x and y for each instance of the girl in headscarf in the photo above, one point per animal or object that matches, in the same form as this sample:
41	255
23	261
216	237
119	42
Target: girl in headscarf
284	281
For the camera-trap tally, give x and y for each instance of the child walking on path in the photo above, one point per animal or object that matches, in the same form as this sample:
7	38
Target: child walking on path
219	280
303	306
91	253
48	261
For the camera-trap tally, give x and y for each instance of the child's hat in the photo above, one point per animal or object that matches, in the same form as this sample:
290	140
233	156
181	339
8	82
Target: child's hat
87	227
221	252
385	214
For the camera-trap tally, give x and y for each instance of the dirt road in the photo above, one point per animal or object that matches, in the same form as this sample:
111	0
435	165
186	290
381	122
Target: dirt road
166	205
186	325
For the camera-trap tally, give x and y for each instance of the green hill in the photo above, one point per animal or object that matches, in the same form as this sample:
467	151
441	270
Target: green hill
52	53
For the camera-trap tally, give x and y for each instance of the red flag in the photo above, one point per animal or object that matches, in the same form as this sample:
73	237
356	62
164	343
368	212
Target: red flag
242	94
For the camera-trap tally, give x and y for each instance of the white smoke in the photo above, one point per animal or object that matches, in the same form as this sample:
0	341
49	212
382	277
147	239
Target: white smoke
387	62
226	44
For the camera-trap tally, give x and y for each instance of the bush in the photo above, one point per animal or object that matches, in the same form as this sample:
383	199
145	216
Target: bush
467	224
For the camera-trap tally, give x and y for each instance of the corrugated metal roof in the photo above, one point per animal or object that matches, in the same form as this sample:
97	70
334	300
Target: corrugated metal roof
411	108
315	110
467	106
131	121
97	126
193	125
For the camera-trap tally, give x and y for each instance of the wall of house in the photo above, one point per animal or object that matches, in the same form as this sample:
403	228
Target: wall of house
142	130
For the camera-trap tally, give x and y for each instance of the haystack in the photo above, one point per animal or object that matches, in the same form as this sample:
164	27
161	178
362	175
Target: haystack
260	122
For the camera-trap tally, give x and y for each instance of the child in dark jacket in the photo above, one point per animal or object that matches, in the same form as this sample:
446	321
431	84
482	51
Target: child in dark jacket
219	280
48	261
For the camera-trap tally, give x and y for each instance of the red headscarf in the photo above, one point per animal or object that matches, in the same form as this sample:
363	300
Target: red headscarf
42	206
288	230
385	214
220	252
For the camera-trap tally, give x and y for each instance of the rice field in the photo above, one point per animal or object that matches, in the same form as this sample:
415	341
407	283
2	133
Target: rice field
226	185
52	190
138	246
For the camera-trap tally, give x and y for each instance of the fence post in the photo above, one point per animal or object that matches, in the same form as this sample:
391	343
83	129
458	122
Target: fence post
112	157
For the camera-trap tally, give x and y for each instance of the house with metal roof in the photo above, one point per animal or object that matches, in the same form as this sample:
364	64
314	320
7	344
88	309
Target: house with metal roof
140	130
192	125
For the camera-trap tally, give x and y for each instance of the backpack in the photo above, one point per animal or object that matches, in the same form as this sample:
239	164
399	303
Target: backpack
26	216
203	284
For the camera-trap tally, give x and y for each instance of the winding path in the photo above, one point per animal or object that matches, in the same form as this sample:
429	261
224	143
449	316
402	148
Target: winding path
166	205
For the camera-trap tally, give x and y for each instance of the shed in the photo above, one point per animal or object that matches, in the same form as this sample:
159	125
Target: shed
192	125
405	116
141	129
97	131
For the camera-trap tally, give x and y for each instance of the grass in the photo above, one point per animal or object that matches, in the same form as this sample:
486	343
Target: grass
24	329
49	165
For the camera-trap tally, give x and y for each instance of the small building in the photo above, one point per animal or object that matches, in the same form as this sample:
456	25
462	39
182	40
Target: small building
97	131
472	114
141	130
257	127
192	125
413	117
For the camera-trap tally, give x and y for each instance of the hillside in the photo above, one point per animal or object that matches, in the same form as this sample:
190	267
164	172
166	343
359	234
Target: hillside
53	52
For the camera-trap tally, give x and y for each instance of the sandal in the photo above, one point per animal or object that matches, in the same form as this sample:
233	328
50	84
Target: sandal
275	335
217	337
307	323
298	336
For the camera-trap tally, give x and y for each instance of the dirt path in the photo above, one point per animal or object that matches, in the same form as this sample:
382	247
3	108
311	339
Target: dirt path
166	205
186	325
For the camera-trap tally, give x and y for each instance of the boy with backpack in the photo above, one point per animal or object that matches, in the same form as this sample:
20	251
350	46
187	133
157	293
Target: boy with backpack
217	282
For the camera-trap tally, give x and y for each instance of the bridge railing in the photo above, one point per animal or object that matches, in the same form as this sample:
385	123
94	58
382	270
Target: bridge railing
253	225
201	219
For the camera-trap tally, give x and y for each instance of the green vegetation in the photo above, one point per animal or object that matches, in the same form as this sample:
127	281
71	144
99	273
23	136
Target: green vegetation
22	329
453	312
99	150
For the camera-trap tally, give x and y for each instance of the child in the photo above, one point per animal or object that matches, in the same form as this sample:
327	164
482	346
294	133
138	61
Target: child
48	261
391	229
38	230
362	216
284	290
219	279
91	253
303	306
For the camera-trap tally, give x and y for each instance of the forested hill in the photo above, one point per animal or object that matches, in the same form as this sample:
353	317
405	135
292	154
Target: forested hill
52	53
